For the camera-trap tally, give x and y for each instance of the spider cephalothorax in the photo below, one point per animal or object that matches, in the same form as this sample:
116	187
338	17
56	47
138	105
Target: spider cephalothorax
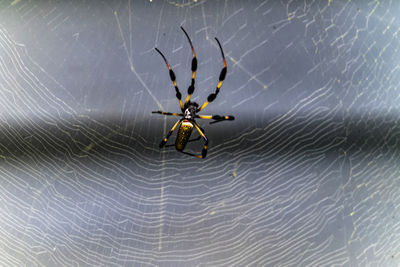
190	109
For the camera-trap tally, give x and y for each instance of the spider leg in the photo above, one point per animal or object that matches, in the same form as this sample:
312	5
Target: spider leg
173	79
194	68
167	113
222	75
190	154
204	151
216	118
164	141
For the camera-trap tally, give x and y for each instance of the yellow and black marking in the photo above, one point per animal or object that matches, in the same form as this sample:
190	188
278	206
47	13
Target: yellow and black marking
216	118
164	141
204	151
194	68
173	79
184	132
167	113
222	76
206	117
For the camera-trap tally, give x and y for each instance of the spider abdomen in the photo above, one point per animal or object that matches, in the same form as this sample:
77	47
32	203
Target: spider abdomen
184	132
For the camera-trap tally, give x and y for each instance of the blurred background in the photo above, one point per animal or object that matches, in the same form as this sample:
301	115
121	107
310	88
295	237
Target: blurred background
307	174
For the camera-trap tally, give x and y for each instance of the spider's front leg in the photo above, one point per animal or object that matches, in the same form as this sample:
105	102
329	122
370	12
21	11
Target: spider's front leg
194	68
173	79
222	75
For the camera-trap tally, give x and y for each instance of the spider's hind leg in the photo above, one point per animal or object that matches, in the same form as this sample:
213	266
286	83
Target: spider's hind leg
164	141
204	151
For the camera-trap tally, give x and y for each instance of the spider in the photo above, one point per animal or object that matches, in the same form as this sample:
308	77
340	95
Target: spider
190	109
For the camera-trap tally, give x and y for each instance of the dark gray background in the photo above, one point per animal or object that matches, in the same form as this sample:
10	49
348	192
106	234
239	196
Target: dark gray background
307	174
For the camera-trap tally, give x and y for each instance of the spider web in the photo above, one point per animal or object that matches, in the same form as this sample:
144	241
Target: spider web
305	176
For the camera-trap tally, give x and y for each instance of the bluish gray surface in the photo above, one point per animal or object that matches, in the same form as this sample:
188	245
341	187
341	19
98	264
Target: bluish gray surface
307	174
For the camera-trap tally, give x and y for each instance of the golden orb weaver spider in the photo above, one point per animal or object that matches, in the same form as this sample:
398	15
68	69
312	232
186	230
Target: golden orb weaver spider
190	109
